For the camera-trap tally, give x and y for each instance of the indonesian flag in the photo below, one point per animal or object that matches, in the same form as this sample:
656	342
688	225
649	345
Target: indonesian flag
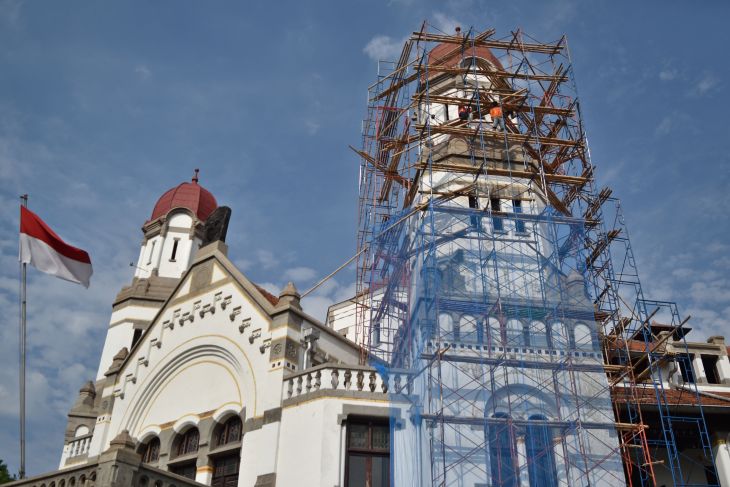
44	250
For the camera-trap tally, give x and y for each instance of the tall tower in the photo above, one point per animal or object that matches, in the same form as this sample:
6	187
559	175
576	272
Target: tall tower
486	277
172	235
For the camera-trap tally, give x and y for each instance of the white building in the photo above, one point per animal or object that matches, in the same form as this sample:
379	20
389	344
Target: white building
487	364
212	378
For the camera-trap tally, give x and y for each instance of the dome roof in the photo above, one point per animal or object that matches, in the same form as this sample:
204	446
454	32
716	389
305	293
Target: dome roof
190	195
439	55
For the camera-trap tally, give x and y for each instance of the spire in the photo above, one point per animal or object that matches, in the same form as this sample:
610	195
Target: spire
195	176
290	295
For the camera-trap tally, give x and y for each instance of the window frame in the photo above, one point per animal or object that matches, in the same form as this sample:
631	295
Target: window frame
148	451
542	469
495	205
184	440
175	245
369	452
221	437
517	209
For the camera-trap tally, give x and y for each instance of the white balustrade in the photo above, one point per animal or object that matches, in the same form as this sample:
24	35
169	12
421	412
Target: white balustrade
353	378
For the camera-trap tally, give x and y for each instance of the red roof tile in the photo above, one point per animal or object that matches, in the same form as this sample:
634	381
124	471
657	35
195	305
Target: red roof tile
192	196
674	397
438	55
269	297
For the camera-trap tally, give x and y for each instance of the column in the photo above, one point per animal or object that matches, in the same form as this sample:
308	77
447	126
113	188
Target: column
522	461
699	369
723	369
722	460
560	464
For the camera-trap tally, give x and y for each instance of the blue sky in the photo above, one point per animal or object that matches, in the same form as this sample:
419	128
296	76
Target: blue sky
104	106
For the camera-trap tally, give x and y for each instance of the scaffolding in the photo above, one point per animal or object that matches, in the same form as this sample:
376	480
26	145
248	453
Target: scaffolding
497	283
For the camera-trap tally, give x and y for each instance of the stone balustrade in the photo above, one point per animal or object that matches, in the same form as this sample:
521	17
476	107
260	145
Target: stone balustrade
86	476
341	380
79	446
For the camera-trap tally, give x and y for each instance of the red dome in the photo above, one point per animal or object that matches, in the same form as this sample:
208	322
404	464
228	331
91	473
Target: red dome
439	55
191	195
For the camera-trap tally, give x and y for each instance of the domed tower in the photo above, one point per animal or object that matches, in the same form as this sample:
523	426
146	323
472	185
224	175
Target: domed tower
174	231
172	236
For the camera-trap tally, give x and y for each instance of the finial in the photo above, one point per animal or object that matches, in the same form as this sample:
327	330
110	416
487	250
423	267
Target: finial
195	176
458	30
290	295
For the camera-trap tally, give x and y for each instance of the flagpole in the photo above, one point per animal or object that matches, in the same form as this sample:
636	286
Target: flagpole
23	265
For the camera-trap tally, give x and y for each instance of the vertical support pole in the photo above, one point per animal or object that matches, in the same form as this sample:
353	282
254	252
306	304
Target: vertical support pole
23	268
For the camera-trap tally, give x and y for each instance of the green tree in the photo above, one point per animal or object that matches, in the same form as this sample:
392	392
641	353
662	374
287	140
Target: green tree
4	474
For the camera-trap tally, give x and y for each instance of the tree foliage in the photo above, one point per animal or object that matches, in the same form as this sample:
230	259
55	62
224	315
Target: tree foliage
5	476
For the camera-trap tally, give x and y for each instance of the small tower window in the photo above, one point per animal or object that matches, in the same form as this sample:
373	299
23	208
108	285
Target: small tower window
174	249
517	209
497	222
136	336
152	252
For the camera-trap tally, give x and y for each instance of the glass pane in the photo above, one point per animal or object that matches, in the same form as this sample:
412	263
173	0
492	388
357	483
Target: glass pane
358	436
356	471
380	471
380	437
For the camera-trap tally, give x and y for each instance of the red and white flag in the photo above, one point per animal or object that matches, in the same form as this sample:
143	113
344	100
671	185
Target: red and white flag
44	250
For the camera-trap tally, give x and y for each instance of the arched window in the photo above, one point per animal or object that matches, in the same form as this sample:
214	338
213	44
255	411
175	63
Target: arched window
515	333
151	450
540	454
538	334
582	335
468	328
228	432
502	452
558	336
188	442
495	332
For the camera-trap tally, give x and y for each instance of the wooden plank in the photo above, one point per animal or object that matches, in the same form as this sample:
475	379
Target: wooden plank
493	134
513	107
470	169
559	78
492	44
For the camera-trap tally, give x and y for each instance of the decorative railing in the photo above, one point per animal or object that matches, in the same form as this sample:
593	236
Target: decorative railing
79	446
86	476
80	476
340	378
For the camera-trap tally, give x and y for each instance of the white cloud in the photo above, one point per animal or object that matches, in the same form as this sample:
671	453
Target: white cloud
266	258
665	126
668	74
329	293
300	274
142	71
384	48
312	127
10	11
705	84
446	24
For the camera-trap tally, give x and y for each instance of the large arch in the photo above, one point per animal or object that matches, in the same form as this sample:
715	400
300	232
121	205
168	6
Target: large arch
186	367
